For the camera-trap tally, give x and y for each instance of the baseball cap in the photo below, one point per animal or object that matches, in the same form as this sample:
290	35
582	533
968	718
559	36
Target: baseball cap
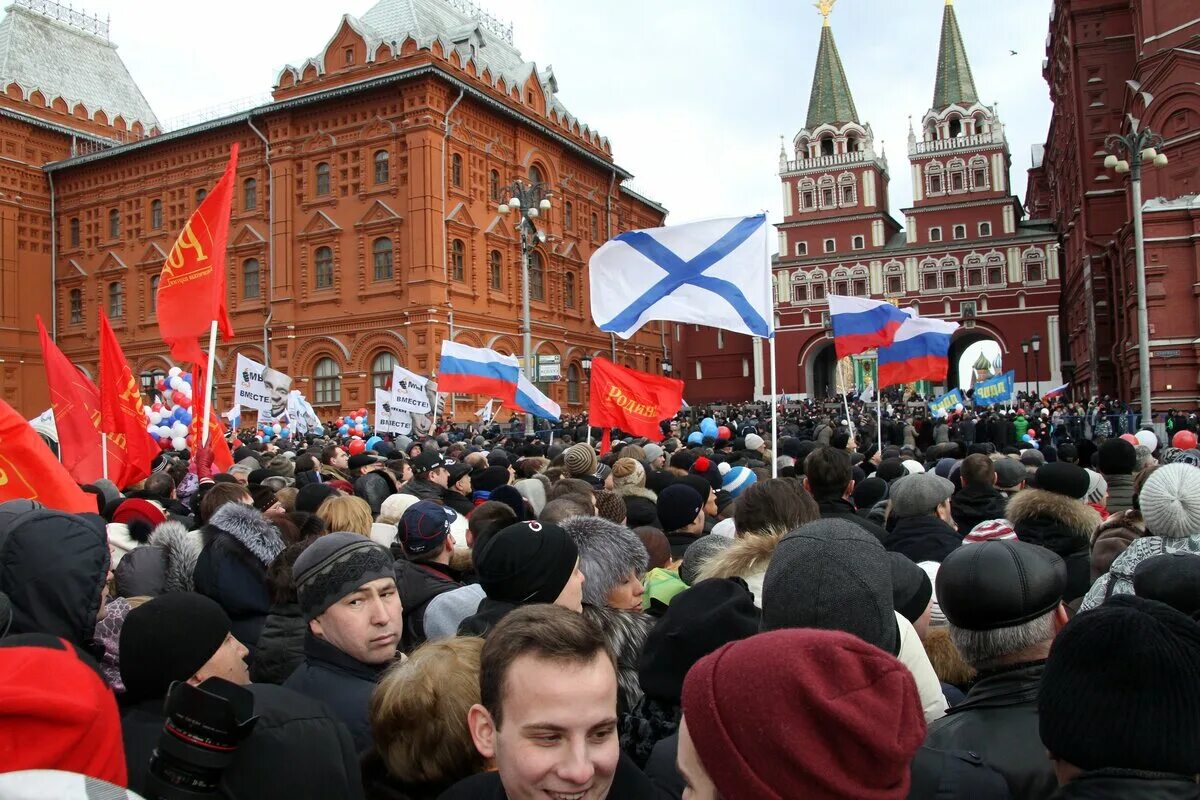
427	461
424	526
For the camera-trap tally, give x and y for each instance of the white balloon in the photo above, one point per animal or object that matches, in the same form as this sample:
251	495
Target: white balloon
177	383
155	418
1147	438
173	371
186	389
276	428
179	443
164	432
179	429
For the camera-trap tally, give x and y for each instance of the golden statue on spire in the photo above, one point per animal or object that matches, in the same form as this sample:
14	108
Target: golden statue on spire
826	8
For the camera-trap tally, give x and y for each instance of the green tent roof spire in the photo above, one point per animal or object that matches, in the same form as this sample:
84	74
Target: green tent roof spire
955	83
830	100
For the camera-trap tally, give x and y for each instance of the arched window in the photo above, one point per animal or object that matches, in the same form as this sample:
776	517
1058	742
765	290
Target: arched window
816	285
802	150
595	227
929	275
494	185
381	370
569	290
535	175
327	382
249	194
156	217
76	300
808	194
1035	266
116	300
323	268
847	190
114	223
496	271
934	179
841	282
251	279
957	172
893	281
979	173
981	123
456	170
826	145
859	282
381	259
537	276
949	268
458	260
200	195
573	384
383	166
828	192
568	216
74	226
322	175
974	269
799	288
154	294
955	127
995	270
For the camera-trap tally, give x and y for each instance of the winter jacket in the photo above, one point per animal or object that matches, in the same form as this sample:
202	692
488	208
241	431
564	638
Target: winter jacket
1020	427
975	504
1119	578
625	632
844	509
1120	493
423	490
418	583
239	544
53	567
680	541
460	503
281	645
912	655
923	538
999	721
163	564
340	682
650	721
1061	524
629	783
297	751
641	507
379	784
445	612
943	774
1113	537
747	558
485	618
661	769
1128	784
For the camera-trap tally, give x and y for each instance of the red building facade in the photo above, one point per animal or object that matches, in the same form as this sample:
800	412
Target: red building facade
365	226
964	252
1104	61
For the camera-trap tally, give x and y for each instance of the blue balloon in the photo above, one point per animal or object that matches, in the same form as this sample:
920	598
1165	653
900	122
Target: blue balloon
187	377
285	433
708	427
695	437
344	430
374	440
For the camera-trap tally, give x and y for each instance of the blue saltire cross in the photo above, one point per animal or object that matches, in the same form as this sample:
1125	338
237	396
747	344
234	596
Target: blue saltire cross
681	273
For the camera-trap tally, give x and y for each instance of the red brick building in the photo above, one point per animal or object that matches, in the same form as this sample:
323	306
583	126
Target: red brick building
1103	60
365	226
963	253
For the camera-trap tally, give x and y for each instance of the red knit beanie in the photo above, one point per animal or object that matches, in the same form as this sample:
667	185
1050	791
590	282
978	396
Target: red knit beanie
137	508
56	712
804	713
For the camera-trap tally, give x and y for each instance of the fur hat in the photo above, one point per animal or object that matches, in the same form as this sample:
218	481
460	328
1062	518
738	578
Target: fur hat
608	552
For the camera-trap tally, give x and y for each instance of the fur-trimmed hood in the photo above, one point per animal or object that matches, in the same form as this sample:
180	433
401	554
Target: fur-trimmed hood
183	548
746	556
637	491
607	554
625	632
1033	508
249	528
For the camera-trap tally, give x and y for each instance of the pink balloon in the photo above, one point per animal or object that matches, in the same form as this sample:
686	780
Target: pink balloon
1129	437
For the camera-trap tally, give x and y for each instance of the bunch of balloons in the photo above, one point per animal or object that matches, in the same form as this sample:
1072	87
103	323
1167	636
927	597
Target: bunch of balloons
708	428
268	430
169	421
354	424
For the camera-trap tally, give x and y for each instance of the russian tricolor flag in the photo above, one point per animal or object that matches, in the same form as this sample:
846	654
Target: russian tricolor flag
530	400
860	324
477	370
919	352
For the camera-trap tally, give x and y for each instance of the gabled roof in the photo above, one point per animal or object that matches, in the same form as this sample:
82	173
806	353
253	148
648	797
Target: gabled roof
955	84
61	60
830	100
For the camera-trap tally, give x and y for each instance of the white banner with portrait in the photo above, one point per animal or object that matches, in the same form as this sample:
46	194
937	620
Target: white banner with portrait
409	391
261	388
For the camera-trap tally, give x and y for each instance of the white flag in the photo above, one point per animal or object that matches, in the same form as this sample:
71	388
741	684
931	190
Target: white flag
390	418
714	273
485	413
408	389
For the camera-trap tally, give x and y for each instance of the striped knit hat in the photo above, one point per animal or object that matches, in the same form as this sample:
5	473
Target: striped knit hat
580	460
737	480
991	530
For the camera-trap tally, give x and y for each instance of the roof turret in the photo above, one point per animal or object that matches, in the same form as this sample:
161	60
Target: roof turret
830	101
955	84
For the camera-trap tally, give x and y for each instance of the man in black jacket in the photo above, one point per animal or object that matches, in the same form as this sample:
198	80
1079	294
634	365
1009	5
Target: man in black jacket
921	514
422	548
1003	601
979	500
430	476
829	478
347	591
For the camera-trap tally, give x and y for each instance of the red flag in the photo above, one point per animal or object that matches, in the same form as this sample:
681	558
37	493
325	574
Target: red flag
121	412
630	400
222	458
28	468
76	404
191	289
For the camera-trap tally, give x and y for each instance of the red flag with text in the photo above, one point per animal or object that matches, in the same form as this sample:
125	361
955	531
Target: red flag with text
222	457
29	470
122	414
630	400
76	404
191	289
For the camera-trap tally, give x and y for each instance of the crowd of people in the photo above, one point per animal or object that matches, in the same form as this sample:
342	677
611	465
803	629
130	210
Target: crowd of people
991	604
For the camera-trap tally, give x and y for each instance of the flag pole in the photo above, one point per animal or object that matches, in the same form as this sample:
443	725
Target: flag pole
104	453
845	403
774	415
208	380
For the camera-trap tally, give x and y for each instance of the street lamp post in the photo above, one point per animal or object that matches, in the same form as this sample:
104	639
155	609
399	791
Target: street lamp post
1127	154
666	367
1025	352
528	200
1036	341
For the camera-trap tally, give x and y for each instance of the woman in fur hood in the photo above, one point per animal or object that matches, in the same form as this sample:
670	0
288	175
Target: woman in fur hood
762	515
641	504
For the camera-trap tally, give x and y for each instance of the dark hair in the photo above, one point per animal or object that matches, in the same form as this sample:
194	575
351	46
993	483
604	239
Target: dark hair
308	525
1139	481
977	470
541	630
656	545
828	472
570	505
774	506
489	518
219	495
329	452
287	529
159	485
571	486
840	439
280	580
306	462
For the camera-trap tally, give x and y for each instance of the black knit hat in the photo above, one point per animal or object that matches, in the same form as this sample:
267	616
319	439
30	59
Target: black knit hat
489	479
911	587
1063	478
530	562
334	566
168	639
310	497
1120	690
1171	578
699	620
1116	457
678	506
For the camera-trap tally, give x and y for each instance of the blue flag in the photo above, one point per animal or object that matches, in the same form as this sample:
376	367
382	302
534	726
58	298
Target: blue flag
947	402
995	390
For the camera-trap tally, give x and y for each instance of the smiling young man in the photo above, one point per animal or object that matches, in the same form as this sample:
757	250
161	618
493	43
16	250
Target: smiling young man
548	714
348	597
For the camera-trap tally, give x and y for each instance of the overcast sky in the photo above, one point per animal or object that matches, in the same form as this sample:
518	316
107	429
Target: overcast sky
693	94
